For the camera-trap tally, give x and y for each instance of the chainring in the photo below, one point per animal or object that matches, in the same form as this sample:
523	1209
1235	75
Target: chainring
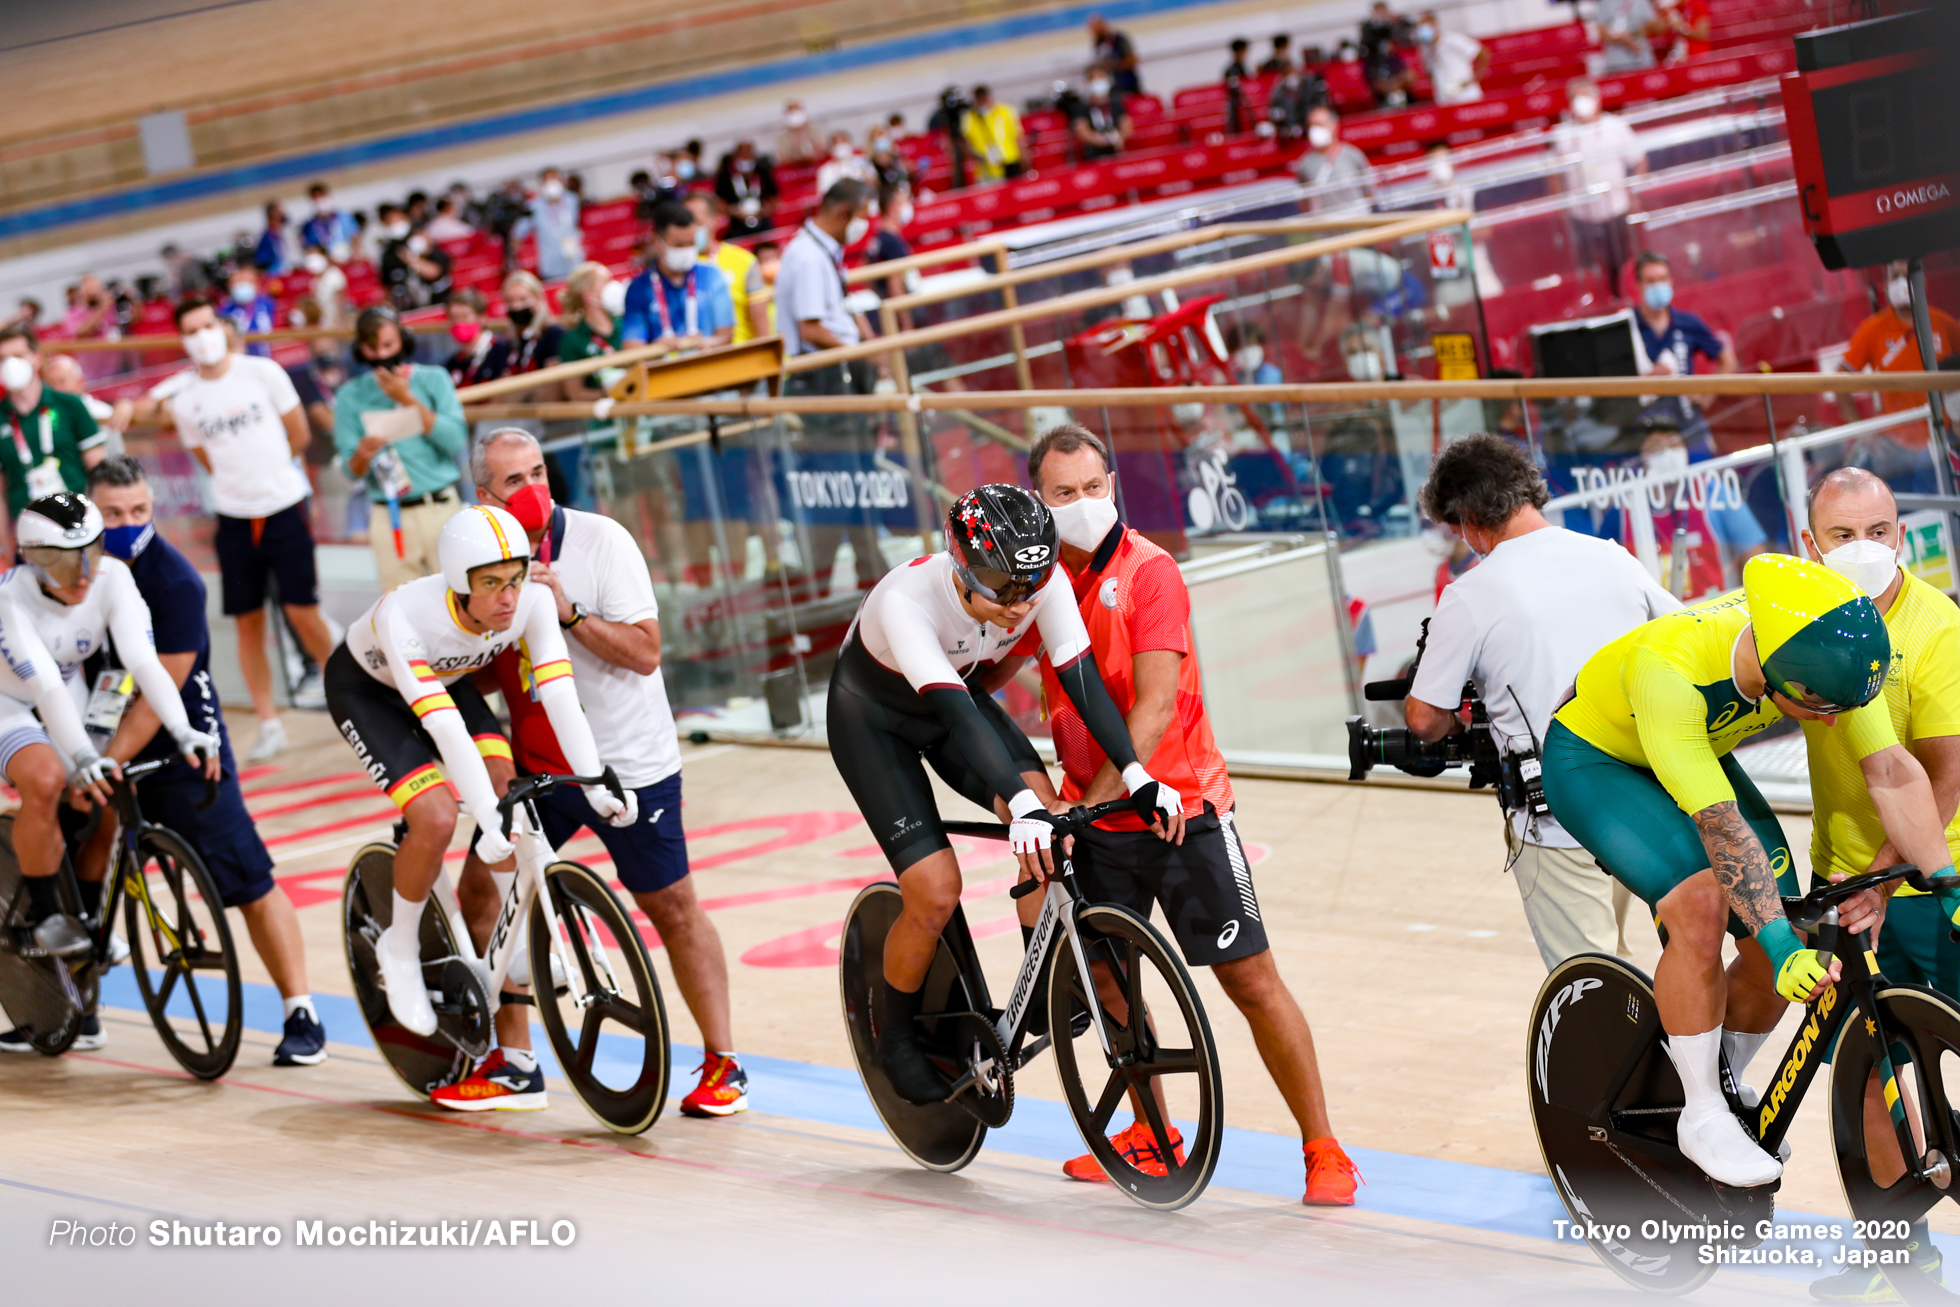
989	1098
463	1014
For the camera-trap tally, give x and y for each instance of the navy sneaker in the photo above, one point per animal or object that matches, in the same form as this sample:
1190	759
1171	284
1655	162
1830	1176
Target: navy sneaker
16	1041
91	1036
305	1043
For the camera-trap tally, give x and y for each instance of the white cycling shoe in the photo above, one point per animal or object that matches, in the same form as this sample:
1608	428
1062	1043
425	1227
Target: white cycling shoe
1719	1145
1752	1100
520	970
408	997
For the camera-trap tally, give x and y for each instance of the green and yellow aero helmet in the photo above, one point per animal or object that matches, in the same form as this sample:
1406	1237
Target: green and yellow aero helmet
1821	640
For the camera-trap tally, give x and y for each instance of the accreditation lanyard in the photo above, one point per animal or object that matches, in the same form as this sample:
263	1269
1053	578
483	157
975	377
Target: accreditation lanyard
693	306
20	437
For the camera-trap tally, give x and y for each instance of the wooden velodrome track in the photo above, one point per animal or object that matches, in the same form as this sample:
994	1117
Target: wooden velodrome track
1390	918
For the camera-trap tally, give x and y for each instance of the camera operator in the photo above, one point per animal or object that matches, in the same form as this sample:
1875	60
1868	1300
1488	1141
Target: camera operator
1521	624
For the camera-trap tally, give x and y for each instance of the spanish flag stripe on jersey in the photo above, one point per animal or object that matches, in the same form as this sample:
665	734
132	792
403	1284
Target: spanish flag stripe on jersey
424	777
421	670
429	703
493	746
553	670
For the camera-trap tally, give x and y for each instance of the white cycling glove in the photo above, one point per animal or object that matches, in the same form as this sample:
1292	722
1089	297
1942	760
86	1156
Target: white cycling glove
92	768
1030	831
491	845
616	813
1166	802
190	740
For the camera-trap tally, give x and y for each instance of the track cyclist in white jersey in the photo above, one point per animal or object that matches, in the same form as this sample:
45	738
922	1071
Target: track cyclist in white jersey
398	690
900	696
56	608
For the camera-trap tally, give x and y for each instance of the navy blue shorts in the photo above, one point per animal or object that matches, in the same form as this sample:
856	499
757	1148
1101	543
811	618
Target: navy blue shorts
283	550
649	855
223	834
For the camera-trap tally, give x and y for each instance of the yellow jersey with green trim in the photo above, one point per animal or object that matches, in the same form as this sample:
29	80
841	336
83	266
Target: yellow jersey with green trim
1922	699
1663	697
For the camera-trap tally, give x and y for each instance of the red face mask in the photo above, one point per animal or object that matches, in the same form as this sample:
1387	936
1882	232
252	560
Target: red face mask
531	506
465	332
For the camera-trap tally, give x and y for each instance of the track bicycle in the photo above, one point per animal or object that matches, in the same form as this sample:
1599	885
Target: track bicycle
1158	1054
1605	1100
578	936
180	943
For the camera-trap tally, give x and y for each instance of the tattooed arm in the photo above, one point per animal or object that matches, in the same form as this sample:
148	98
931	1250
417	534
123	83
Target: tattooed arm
1741	866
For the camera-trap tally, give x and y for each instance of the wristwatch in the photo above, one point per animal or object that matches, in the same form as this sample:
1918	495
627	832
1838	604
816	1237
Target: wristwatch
578	615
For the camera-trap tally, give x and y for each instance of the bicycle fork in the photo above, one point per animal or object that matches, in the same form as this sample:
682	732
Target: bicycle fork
1057	910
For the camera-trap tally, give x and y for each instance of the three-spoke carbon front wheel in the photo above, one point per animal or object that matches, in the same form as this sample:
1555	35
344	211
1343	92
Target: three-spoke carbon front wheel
606	1023
1161	1064
181	950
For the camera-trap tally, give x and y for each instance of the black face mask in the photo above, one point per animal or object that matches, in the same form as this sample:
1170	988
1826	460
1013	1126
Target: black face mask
400	359
521	318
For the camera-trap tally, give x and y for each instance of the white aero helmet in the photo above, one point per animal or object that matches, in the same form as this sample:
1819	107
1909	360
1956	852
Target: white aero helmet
475	537
61	537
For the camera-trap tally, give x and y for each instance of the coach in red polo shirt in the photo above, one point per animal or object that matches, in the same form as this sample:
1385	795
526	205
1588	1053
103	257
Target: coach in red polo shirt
1138	614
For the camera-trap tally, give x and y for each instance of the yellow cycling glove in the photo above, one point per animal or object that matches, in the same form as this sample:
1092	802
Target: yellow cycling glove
1799	970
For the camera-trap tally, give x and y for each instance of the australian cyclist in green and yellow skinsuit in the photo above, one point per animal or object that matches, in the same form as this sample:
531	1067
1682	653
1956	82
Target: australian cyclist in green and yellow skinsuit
1638	769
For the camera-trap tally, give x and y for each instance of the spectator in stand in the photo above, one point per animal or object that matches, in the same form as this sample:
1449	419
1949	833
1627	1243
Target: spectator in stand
679	302
1114	51
888	242
63	373
49	441
481	354
810	294
1238	70
652	189
329	228
1281	59
747	185
271	254
328	290
1297	93
689	170
445	225
994	139
27	313
1245	342
1625	29
535	336
1340	173
1235	75
92	316
1691	26
1100	122
240	417
367	241
1455	61
762	304
889	165
402	416
798	143
844	161
416	206
249	311
1672	338
1603	151
553	219
1387	72
1888	342
737	264
593	302
414	272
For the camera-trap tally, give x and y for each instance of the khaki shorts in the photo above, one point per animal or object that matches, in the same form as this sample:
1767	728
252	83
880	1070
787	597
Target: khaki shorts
1571	905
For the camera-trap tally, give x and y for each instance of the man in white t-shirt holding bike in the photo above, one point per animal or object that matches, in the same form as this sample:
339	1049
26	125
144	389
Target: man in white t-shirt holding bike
611	620
241	419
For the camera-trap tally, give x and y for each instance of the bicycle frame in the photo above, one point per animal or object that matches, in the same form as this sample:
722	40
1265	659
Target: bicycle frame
534	854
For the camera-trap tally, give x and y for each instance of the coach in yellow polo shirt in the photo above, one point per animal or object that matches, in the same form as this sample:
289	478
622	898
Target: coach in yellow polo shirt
736	263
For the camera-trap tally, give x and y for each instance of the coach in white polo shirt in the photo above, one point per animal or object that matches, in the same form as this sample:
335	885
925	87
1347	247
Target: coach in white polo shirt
612	632
1521	623
241	418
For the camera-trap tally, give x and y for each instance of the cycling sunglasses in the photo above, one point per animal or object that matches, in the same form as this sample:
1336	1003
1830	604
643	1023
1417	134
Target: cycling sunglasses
1007	588
1811	701
64	567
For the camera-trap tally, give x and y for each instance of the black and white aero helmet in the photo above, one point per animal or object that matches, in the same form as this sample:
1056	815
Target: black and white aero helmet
1003	542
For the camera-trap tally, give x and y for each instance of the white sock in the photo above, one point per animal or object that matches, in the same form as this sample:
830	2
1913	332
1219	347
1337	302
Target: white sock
404	932
1697	1058
1741	1046
522	1058
299	1001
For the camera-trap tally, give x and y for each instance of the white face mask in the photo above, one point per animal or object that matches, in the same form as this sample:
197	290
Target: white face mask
16	373
244	292
840	151
1899	291
680	258
1248	359
396	230
1666	463
854	230
1085	522
612	298
420	244
552	189
1584	107
794	119
1867	564
902	214
1442	171
1365	365
315	263
206	346
1320	137
1098	87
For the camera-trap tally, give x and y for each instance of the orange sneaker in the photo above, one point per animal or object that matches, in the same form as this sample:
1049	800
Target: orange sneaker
1331	1177
723	1091
495	1085
1137	1146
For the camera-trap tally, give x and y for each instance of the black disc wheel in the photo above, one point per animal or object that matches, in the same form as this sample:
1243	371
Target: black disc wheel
1160	1062
423	1063
1921	1029
938	1136
181	949
606	1023
1605	1100
42	995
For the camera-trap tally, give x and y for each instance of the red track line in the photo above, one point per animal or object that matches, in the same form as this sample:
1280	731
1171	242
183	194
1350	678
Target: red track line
367	791
285	786
719	1168
311	832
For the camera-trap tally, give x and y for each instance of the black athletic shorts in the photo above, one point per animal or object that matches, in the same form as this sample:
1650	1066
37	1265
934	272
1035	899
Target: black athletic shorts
386	735
250	549
1204	885
881	735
